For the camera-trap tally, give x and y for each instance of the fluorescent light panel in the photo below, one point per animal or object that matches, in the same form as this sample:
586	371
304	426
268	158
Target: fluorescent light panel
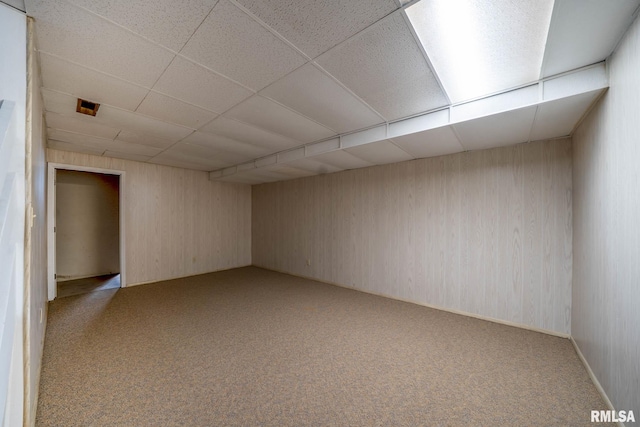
479	47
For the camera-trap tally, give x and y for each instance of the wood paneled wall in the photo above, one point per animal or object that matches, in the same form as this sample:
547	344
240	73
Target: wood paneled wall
485	232
177	222
606	288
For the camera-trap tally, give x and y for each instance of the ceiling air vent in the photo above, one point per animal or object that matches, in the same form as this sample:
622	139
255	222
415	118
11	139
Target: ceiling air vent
87	107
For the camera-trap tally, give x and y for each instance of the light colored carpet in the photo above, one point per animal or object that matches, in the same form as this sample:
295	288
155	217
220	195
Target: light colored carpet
249	347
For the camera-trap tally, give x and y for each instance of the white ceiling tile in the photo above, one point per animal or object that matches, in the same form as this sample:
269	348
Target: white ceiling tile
172	110
317	96
82	37
479	47
101	144
77	125
78	138
313	166
165	160
60	103
209	154
218	142
82	82
268	115
315	26
384	66
264	175
584	32
141	124
342	159
77	148
250	134
508	128
142	139
167	22
289	171
430	143
380	153
182	153
196	85
559	117
127	156
131	148
233	44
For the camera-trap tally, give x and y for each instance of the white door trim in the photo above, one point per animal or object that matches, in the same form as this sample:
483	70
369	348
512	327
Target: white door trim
51	212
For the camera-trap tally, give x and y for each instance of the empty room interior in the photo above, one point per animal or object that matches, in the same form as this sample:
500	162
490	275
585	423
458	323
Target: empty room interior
321	212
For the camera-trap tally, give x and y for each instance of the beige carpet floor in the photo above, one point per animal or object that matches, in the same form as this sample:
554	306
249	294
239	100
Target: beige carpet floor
251	347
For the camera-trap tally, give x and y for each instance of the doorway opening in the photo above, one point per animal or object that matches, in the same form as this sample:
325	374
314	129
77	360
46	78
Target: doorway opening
86	229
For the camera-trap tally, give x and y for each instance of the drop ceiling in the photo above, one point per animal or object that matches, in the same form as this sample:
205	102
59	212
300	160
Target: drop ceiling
264	90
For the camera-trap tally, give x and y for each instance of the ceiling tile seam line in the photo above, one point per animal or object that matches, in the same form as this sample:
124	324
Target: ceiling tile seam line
217	73
77	64
425	55
154	83
367	28
120	109
84	134
104	18
172	145
533	123
342	85
525	85
297	113
402	149
182	101
198	27
457	135
553	19
270	132
263	24
318	67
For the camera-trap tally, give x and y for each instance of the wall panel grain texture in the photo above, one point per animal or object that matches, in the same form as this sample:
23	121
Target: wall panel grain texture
605	317
482	232
177	222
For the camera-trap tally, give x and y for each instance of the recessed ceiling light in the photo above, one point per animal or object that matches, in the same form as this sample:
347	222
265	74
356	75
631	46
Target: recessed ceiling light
87	107
479	47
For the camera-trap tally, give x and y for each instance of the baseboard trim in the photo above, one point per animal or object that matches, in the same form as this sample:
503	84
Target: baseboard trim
435	307
594	379
184	277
